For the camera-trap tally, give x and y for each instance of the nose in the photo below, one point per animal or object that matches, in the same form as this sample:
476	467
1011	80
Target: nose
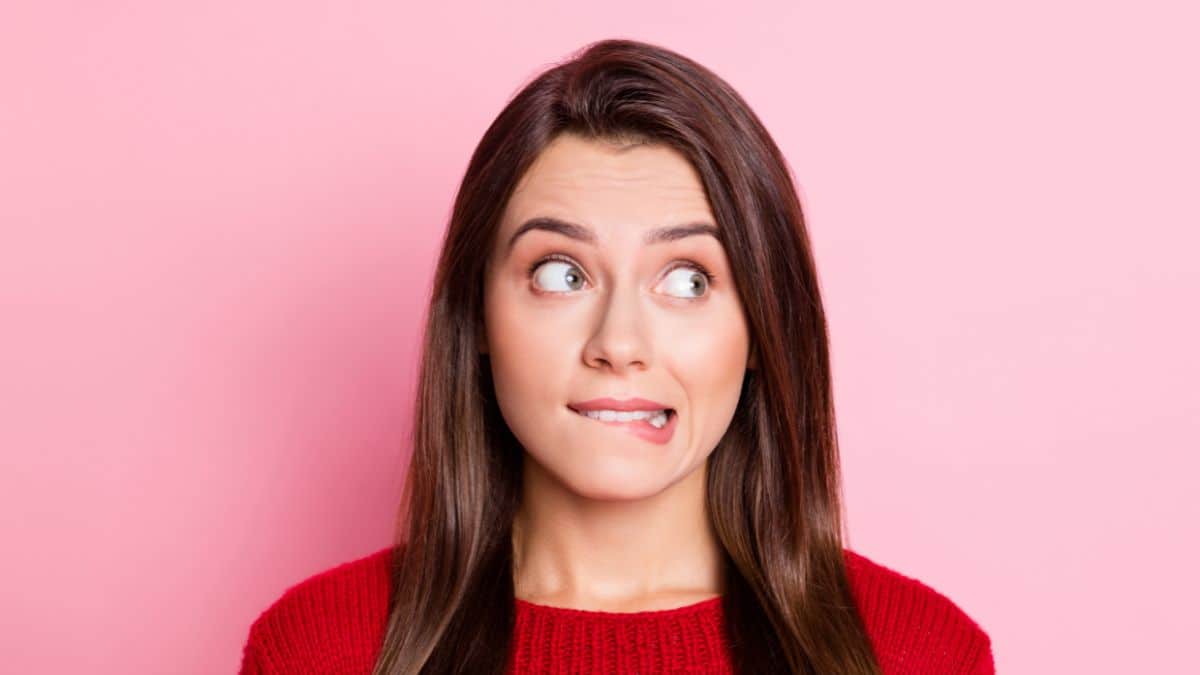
619	341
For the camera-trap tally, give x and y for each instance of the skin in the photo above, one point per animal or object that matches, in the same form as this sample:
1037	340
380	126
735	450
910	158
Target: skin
609	521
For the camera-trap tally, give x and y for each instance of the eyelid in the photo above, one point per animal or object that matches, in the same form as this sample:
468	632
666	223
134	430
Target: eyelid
694	265
553	256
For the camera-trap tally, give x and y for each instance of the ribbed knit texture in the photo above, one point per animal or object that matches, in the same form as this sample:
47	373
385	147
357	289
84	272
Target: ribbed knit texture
334	622
560	640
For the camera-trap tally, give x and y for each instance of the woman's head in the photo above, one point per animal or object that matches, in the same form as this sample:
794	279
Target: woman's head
607	278
621	140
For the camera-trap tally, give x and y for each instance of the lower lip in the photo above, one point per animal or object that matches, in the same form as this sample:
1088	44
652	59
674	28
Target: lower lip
641	428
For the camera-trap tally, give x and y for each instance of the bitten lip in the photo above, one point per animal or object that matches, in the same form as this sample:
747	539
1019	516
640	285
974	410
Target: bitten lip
625	405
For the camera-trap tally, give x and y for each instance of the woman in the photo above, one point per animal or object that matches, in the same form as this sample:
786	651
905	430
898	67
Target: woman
624	456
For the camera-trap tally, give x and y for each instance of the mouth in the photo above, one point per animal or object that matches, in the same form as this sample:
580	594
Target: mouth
649	416
656	426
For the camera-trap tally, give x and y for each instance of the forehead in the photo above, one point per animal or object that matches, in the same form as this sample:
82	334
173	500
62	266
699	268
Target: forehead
609	185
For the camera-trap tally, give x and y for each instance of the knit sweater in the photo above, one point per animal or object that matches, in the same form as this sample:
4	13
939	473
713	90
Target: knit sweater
334	622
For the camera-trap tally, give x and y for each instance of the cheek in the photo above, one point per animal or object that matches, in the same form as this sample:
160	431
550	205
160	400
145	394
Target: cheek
713	346
526	350
712	366
524	336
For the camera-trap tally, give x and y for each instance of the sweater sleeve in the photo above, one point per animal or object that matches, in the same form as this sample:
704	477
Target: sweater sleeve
984	664
251	663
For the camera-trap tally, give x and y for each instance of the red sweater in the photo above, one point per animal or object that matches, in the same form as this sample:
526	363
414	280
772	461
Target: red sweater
334	621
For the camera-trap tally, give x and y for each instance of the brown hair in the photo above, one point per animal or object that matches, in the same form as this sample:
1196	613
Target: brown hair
773	482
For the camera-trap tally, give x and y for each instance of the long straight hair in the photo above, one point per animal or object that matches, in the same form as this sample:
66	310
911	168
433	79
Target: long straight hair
773	487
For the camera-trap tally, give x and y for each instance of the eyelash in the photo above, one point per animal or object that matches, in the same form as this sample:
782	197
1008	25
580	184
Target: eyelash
708	276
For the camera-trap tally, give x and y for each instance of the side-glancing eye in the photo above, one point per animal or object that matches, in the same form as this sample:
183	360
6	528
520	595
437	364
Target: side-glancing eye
687	277
547	276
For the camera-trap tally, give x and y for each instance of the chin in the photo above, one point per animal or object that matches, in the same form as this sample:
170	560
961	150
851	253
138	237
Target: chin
612	486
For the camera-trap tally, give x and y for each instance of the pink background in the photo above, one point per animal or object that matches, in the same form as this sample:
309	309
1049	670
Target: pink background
219	225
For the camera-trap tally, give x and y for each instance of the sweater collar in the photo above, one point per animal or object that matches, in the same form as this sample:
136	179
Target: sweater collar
690	637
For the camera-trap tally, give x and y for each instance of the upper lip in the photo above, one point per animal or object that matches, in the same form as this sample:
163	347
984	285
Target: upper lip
614	404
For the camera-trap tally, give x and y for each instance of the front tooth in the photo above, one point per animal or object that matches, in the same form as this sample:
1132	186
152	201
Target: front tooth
623	415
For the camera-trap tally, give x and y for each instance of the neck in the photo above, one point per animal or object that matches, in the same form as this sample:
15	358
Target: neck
656	552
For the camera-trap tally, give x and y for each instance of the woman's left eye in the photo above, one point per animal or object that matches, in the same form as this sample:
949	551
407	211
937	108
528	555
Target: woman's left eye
688	278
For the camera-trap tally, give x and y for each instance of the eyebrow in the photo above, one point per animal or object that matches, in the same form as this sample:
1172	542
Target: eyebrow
585	234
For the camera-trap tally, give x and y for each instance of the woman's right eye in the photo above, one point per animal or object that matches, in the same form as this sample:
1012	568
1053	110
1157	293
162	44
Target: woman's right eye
557	276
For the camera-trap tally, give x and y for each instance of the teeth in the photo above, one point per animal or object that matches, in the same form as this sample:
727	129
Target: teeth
657	418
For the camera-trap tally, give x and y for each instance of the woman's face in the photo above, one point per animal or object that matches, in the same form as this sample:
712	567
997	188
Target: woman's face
597	312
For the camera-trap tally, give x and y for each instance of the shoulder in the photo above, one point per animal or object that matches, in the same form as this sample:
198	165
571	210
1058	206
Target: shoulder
913	627
335	617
